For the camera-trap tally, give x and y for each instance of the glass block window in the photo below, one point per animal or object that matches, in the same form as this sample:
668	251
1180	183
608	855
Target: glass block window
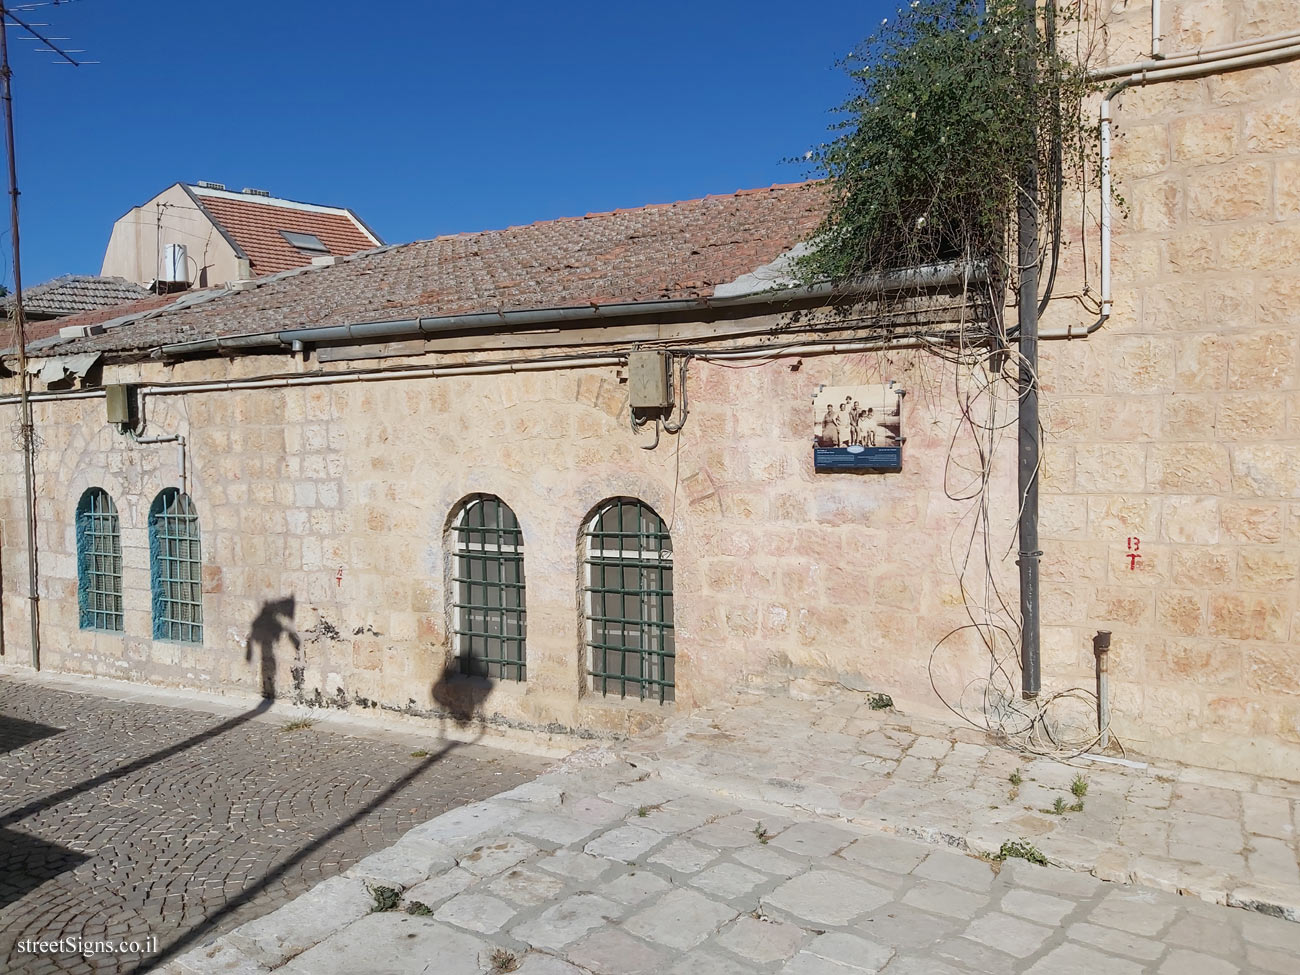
488	581
630	601
99	562
176	564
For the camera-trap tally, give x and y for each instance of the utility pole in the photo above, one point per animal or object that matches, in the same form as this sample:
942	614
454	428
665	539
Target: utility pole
27	430
1027	301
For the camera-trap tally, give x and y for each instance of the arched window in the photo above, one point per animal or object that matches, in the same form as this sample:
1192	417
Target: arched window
176	564
488	576
99	562
630	601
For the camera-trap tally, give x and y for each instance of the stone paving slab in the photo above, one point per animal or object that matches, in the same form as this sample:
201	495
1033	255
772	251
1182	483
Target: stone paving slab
803	895
1225	837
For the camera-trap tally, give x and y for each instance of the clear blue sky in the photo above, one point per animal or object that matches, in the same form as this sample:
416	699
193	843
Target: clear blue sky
424	117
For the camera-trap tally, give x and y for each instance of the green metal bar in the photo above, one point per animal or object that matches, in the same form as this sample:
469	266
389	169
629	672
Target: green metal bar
490	630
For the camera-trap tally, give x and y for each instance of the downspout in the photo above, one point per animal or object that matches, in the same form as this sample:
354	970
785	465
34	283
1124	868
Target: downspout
1027	379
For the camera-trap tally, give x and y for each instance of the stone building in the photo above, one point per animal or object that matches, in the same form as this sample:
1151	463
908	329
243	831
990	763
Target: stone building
427	454
202	235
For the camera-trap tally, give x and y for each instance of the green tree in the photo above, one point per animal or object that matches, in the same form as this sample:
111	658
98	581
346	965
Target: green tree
927	161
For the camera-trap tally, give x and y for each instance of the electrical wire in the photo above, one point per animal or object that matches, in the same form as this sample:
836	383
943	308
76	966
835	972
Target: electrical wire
983	390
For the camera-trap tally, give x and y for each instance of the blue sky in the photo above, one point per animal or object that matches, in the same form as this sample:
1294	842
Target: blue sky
424	117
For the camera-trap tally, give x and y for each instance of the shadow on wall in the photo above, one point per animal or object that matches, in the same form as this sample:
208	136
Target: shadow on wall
275	620
461	696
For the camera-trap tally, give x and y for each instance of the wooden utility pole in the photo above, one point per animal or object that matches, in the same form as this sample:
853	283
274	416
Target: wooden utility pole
27	431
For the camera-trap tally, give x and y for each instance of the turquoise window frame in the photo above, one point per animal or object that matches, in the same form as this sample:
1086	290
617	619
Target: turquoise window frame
176	568
99	563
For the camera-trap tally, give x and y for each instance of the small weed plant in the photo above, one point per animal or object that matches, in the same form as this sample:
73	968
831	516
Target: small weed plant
386	898
298	724
1021	850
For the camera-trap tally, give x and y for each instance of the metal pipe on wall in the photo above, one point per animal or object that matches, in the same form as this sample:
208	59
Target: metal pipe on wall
177	439
1233	57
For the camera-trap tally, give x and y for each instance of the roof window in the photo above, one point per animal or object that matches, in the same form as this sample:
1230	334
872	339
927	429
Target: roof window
306	243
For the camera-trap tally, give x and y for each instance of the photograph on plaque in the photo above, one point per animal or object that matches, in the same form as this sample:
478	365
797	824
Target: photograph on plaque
858	428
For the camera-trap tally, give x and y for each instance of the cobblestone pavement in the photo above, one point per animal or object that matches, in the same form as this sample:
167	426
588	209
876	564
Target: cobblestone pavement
1225	837
604	867
126	820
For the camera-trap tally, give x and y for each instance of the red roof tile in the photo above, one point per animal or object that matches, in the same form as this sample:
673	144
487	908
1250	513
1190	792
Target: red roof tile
673	250
255	227
36	331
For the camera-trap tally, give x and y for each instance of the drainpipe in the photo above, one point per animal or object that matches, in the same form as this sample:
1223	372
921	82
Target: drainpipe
1027	383
932	276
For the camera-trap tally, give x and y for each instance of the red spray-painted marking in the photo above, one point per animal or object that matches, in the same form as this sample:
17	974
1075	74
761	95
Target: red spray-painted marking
1134	553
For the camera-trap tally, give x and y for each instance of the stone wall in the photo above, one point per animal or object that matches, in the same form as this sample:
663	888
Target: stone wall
339	498
1177	427
1170	511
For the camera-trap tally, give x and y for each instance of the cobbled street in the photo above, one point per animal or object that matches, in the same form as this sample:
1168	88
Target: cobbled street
127	820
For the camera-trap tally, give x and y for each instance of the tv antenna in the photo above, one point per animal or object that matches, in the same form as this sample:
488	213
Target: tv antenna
27	432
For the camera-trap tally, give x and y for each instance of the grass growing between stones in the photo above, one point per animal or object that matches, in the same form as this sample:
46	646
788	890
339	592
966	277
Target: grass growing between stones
880	702
1060	807
1020	850
761	833
420	753
419	909
298	724
1079	787
503	960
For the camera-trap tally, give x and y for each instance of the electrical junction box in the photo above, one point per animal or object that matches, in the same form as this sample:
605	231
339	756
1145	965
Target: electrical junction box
647	381
120	399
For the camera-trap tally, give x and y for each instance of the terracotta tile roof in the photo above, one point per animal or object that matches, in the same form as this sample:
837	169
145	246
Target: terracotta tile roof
255	223
673	250
75	293
36	331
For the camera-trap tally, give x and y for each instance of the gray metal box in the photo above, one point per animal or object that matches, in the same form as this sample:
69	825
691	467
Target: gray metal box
120	399
647	381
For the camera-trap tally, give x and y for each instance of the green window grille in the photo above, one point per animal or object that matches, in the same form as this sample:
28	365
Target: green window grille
177	568
488	576
99	562
630	601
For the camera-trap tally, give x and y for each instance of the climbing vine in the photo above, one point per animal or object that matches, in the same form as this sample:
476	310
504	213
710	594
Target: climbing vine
949	100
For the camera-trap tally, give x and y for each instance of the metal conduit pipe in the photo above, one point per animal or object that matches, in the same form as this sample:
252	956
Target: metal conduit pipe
915	342
177	439
1156	72
50	397
1204	55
